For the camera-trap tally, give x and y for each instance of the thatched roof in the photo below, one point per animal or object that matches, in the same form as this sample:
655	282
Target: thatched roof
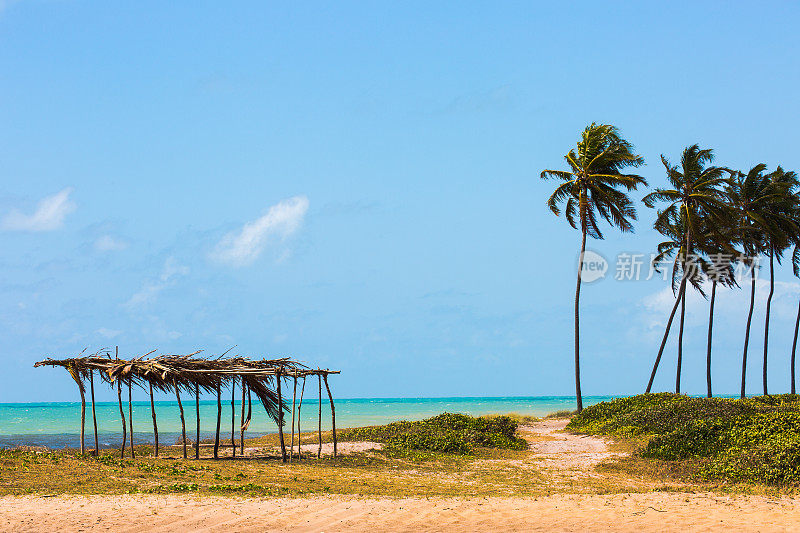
175	373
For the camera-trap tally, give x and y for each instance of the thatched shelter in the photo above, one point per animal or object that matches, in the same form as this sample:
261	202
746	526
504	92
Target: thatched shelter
192	374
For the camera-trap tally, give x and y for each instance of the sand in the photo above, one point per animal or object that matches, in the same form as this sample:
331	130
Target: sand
569	455
619	512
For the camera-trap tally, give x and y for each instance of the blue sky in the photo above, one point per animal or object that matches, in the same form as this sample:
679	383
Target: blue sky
356	184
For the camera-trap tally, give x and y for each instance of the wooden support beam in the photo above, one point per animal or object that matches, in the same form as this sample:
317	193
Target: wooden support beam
233	414
319	430
183	420
280	419
294	401
130	413
333	414
94	415
219	420
155	424
241	425
122	417
197	414
299	407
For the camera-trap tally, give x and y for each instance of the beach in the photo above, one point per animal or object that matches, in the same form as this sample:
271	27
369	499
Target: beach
688	512
565	492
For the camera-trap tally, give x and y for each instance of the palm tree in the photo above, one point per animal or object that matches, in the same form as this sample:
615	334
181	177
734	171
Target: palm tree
796	271
592	187
719	269
762	203
696	198
780	232
674	228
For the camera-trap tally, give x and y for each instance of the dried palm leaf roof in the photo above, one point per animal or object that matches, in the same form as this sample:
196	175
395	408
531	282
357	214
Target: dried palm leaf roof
173	373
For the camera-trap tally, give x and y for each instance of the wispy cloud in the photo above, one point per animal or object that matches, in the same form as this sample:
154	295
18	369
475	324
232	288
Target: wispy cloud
49	215
151	289
242	247
107	243
108	333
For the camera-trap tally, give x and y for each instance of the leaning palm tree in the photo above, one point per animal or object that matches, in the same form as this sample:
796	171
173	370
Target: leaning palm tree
796	271
749	195
674	228
781	230
697	198
763	206
592	187
719	269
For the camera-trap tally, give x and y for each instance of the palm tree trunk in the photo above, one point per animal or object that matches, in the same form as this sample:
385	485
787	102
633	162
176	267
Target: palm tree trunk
219	420
766	320
183	420
94	415
678	300
794	348
680	345
578	396
155	424
747	327
710	328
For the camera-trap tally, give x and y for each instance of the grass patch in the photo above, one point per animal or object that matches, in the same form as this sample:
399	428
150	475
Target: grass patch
755	440
446	433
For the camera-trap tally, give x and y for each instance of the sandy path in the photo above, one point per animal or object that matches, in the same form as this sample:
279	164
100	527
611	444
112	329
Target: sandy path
620	512
572	455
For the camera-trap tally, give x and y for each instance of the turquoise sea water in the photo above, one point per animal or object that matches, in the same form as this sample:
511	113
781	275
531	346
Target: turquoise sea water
57	425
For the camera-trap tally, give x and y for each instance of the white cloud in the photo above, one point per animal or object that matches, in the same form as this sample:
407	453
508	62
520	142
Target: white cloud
150	291
242	247
108	333
49	214
107	243
731	302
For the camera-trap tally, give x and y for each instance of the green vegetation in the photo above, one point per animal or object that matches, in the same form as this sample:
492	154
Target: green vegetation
445	433
750	440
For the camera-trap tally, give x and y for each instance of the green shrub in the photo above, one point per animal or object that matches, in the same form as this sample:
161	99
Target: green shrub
755	439
445	433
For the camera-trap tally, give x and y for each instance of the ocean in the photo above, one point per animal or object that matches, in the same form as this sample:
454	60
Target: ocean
57	424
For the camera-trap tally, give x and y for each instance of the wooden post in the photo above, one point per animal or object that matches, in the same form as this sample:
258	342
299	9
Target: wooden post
299	406
94	415
219	420
83	412
119	401
233	414
319	430
153	414
183	421
122	416
241	425
333	413
130	415
294	400
280	419
197	414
